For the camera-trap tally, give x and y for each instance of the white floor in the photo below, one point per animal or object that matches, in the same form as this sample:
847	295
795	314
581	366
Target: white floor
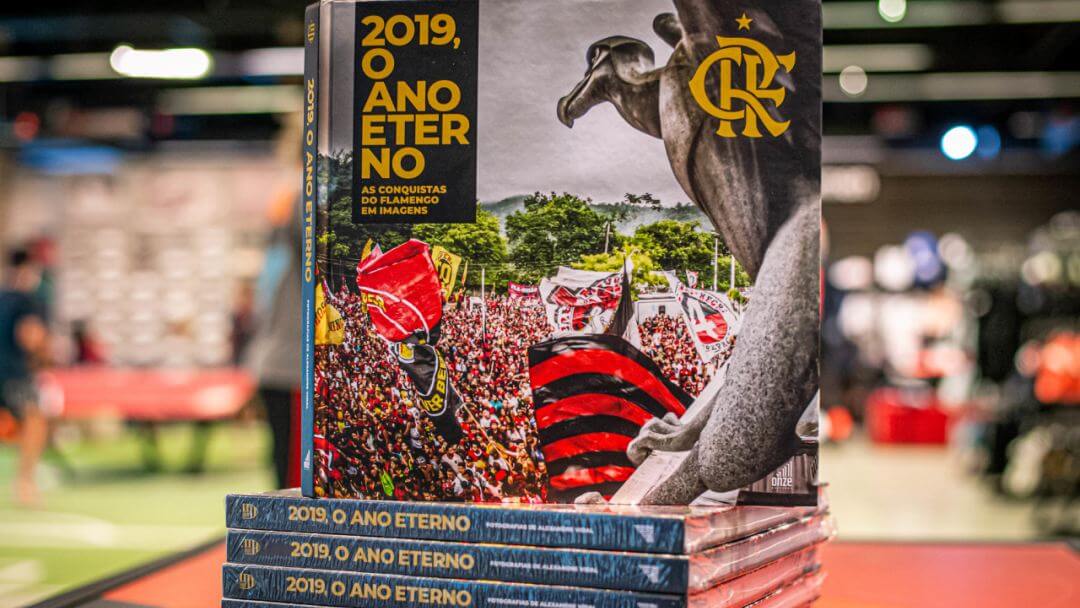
915	493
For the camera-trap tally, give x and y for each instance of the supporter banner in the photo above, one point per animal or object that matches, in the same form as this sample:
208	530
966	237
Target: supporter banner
447	265
691	278
592	395
464	276
402	291
710	317
517	290
427	369
327	450
581	300
329	325
370	248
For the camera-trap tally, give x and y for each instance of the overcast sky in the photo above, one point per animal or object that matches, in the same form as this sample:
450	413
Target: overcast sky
531	54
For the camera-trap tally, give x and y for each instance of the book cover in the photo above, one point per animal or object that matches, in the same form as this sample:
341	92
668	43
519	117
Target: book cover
792	575
635	528
678	574
360	590
500	201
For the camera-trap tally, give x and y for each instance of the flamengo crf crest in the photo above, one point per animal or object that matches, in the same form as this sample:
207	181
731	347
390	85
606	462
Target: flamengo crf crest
748	102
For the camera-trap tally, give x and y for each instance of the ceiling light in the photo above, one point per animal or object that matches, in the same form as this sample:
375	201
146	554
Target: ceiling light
892	11
959	142
185	63
853	80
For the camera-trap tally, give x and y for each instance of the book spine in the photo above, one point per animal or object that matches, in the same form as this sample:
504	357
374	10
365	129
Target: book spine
456	523
571	568
310	196
362	590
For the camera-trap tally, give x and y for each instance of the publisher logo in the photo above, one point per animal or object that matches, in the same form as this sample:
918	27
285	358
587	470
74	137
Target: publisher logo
646	532
745	103
248	511
245	581
250	546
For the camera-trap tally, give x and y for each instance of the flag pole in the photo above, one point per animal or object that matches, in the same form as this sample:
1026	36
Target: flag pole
715	259
731	285
483	305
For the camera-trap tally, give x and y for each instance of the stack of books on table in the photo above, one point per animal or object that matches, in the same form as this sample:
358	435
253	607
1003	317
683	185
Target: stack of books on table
286	550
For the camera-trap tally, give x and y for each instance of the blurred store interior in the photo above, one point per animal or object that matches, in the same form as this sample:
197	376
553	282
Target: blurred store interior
142	167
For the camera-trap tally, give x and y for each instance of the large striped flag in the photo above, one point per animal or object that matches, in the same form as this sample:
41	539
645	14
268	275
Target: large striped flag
592	394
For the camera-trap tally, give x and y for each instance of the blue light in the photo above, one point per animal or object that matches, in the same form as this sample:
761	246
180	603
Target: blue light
989	144
959	142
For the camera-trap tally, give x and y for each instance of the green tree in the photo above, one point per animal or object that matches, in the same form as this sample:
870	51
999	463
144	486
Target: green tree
479	243
677	245
682	246
340	242
646	271
554	229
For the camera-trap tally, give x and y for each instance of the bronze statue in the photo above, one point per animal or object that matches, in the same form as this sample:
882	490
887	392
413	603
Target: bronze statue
762	196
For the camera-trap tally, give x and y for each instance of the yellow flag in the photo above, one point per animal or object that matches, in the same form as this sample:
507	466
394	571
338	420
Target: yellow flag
447	265
367	249
329	324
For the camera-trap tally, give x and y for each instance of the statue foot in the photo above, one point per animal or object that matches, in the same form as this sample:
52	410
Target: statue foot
591	498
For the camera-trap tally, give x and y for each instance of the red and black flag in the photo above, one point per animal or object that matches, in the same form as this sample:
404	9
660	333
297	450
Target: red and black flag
592	395
404	300
427	369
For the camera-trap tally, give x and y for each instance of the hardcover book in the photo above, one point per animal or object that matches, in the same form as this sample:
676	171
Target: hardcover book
678	574
253	585
500	201
793	575
642	528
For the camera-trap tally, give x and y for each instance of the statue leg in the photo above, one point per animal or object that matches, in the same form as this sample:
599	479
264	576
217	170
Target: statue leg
773	373
771	377
682	487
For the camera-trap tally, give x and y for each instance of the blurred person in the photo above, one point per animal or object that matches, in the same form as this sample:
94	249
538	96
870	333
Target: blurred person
23	346
243	321
88	349
274	352
273	355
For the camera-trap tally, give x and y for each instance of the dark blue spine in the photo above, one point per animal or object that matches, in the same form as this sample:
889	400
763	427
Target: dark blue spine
359	590
565	567
310	201
502	525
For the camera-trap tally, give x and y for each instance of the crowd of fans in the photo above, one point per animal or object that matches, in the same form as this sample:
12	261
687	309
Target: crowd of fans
667	341
378	444
372	440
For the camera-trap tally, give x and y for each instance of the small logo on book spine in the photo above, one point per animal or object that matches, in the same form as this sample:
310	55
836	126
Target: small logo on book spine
646	532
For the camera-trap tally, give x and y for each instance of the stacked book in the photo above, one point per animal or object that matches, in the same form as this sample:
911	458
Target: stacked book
285	550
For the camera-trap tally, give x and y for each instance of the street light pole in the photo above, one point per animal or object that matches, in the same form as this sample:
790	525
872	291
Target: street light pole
715	260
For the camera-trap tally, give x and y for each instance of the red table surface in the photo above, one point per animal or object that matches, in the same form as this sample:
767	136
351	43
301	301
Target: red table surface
866	575
149	394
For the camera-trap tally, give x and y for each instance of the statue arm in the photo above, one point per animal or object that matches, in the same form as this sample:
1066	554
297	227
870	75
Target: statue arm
672	434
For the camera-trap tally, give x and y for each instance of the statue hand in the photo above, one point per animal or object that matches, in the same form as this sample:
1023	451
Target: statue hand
668	434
